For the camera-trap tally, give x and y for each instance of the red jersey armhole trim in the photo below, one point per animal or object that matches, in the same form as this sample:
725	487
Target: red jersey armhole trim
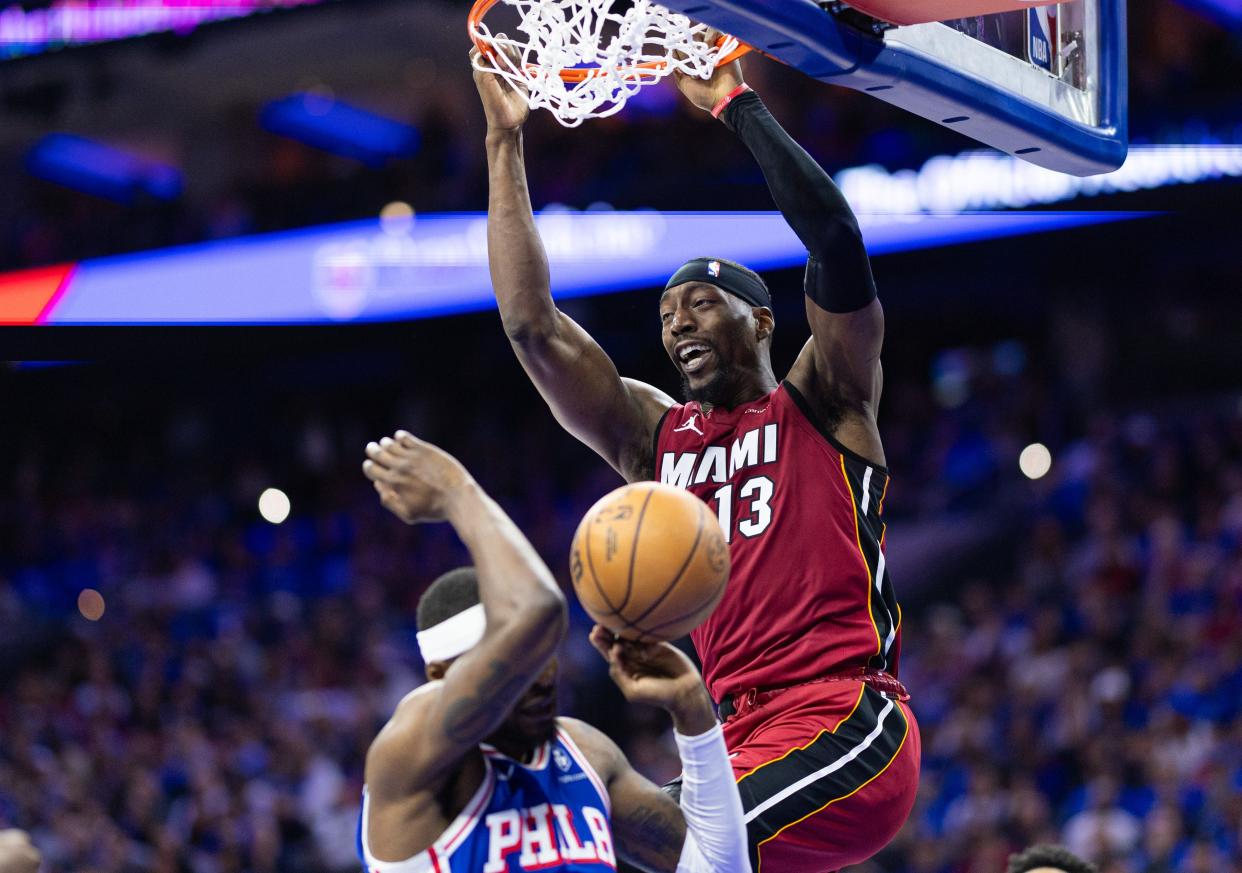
805	409
655	443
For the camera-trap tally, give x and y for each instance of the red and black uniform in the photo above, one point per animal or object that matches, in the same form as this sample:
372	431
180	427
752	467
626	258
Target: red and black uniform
803	649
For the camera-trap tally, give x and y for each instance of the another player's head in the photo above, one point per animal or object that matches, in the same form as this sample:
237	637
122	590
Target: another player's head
450	623
717	323
1046	858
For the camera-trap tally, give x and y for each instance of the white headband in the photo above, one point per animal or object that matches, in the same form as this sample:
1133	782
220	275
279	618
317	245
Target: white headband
453	636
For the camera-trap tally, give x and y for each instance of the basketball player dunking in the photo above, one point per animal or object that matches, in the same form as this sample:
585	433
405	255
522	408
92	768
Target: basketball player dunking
475	772
802	651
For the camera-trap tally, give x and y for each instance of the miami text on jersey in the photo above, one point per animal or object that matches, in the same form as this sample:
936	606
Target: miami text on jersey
718	463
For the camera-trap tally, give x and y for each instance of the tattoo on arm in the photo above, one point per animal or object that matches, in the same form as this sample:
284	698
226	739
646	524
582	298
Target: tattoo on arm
467	716
651	838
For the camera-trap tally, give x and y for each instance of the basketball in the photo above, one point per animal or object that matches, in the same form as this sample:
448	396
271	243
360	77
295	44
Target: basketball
649	562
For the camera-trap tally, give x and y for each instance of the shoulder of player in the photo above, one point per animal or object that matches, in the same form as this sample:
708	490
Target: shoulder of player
405	726
652	406
601	752
850	427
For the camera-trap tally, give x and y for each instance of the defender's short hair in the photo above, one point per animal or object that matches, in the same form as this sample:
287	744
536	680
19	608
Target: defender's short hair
454	592
1046	855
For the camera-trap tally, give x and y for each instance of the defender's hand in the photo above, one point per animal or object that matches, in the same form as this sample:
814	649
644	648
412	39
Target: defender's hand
505	107
706	94
659	675
416	481
17	853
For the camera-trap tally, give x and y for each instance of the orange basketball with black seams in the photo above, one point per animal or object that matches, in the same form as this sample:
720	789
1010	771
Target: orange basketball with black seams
649	562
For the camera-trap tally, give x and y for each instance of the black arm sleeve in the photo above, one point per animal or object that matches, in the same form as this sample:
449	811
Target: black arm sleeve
838	272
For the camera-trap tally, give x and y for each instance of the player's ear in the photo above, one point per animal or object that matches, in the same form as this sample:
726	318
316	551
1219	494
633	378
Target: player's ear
765	323
436	671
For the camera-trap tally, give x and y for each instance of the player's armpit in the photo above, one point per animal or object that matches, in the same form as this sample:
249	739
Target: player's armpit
840	377
616	417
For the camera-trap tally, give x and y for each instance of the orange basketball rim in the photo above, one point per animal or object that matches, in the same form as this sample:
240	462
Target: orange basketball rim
482	7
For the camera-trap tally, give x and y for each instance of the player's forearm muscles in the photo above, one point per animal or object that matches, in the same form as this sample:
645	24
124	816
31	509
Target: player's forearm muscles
519	265
526	617
812	204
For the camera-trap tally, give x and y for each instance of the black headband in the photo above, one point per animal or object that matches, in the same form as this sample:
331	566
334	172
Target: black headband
726	277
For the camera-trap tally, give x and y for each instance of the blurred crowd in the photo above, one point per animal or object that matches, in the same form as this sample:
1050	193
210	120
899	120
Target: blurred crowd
1078	682
1081	684
243	180
1091	693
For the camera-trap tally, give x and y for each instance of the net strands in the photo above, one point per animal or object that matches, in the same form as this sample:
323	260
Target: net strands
579	59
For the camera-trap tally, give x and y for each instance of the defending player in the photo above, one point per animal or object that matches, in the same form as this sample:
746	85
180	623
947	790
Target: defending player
475	772
802	651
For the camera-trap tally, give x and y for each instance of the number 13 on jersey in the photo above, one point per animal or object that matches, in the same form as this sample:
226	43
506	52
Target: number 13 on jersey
751	502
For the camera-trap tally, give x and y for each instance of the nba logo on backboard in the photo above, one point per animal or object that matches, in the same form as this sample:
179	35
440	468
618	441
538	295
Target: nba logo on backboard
713	269
1042	37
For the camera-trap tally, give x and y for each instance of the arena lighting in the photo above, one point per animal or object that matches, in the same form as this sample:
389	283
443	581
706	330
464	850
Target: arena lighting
1035	461
321	121
991	180
372	271
91	604
397	218
95	168
274	505
80	22
1227	12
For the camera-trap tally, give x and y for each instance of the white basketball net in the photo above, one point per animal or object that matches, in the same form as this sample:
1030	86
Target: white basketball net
570	34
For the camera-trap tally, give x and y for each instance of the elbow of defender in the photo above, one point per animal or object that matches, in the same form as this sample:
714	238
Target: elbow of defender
545	616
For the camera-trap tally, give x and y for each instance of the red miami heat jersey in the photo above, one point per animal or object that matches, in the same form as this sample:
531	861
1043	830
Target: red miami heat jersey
809	594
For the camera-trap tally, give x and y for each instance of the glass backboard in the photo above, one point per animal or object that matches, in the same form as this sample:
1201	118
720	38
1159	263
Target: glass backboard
1047	84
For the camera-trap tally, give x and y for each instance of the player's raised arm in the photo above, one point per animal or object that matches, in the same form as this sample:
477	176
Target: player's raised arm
706	833
847	321
524	613
616	417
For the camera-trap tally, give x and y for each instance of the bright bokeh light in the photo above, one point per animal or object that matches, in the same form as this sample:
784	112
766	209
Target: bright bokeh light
91	604
274	505
397	218
1035	461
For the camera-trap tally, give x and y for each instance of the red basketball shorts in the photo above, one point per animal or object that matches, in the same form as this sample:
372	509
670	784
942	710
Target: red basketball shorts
827	772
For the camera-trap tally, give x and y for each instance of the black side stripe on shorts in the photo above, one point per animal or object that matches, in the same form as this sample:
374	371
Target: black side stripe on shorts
833	766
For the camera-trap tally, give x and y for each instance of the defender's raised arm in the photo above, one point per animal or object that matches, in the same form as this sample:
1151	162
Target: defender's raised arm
616	417
522	606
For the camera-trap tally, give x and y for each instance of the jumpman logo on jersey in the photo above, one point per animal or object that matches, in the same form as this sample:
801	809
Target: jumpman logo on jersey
689	425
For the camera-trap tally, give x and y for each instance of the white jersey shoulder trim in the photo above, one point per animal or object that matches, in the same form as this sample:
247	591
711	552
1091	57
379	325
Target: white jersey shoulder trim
436	856
594	777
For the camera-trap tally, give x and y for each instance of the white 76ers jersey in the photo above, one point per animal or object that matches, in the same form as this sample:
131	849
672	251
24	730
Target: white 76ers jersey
550	814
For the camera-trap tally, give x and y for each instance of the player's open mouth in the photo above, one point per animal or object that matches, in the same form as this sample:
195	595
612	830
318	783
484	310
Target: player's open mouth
692	356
